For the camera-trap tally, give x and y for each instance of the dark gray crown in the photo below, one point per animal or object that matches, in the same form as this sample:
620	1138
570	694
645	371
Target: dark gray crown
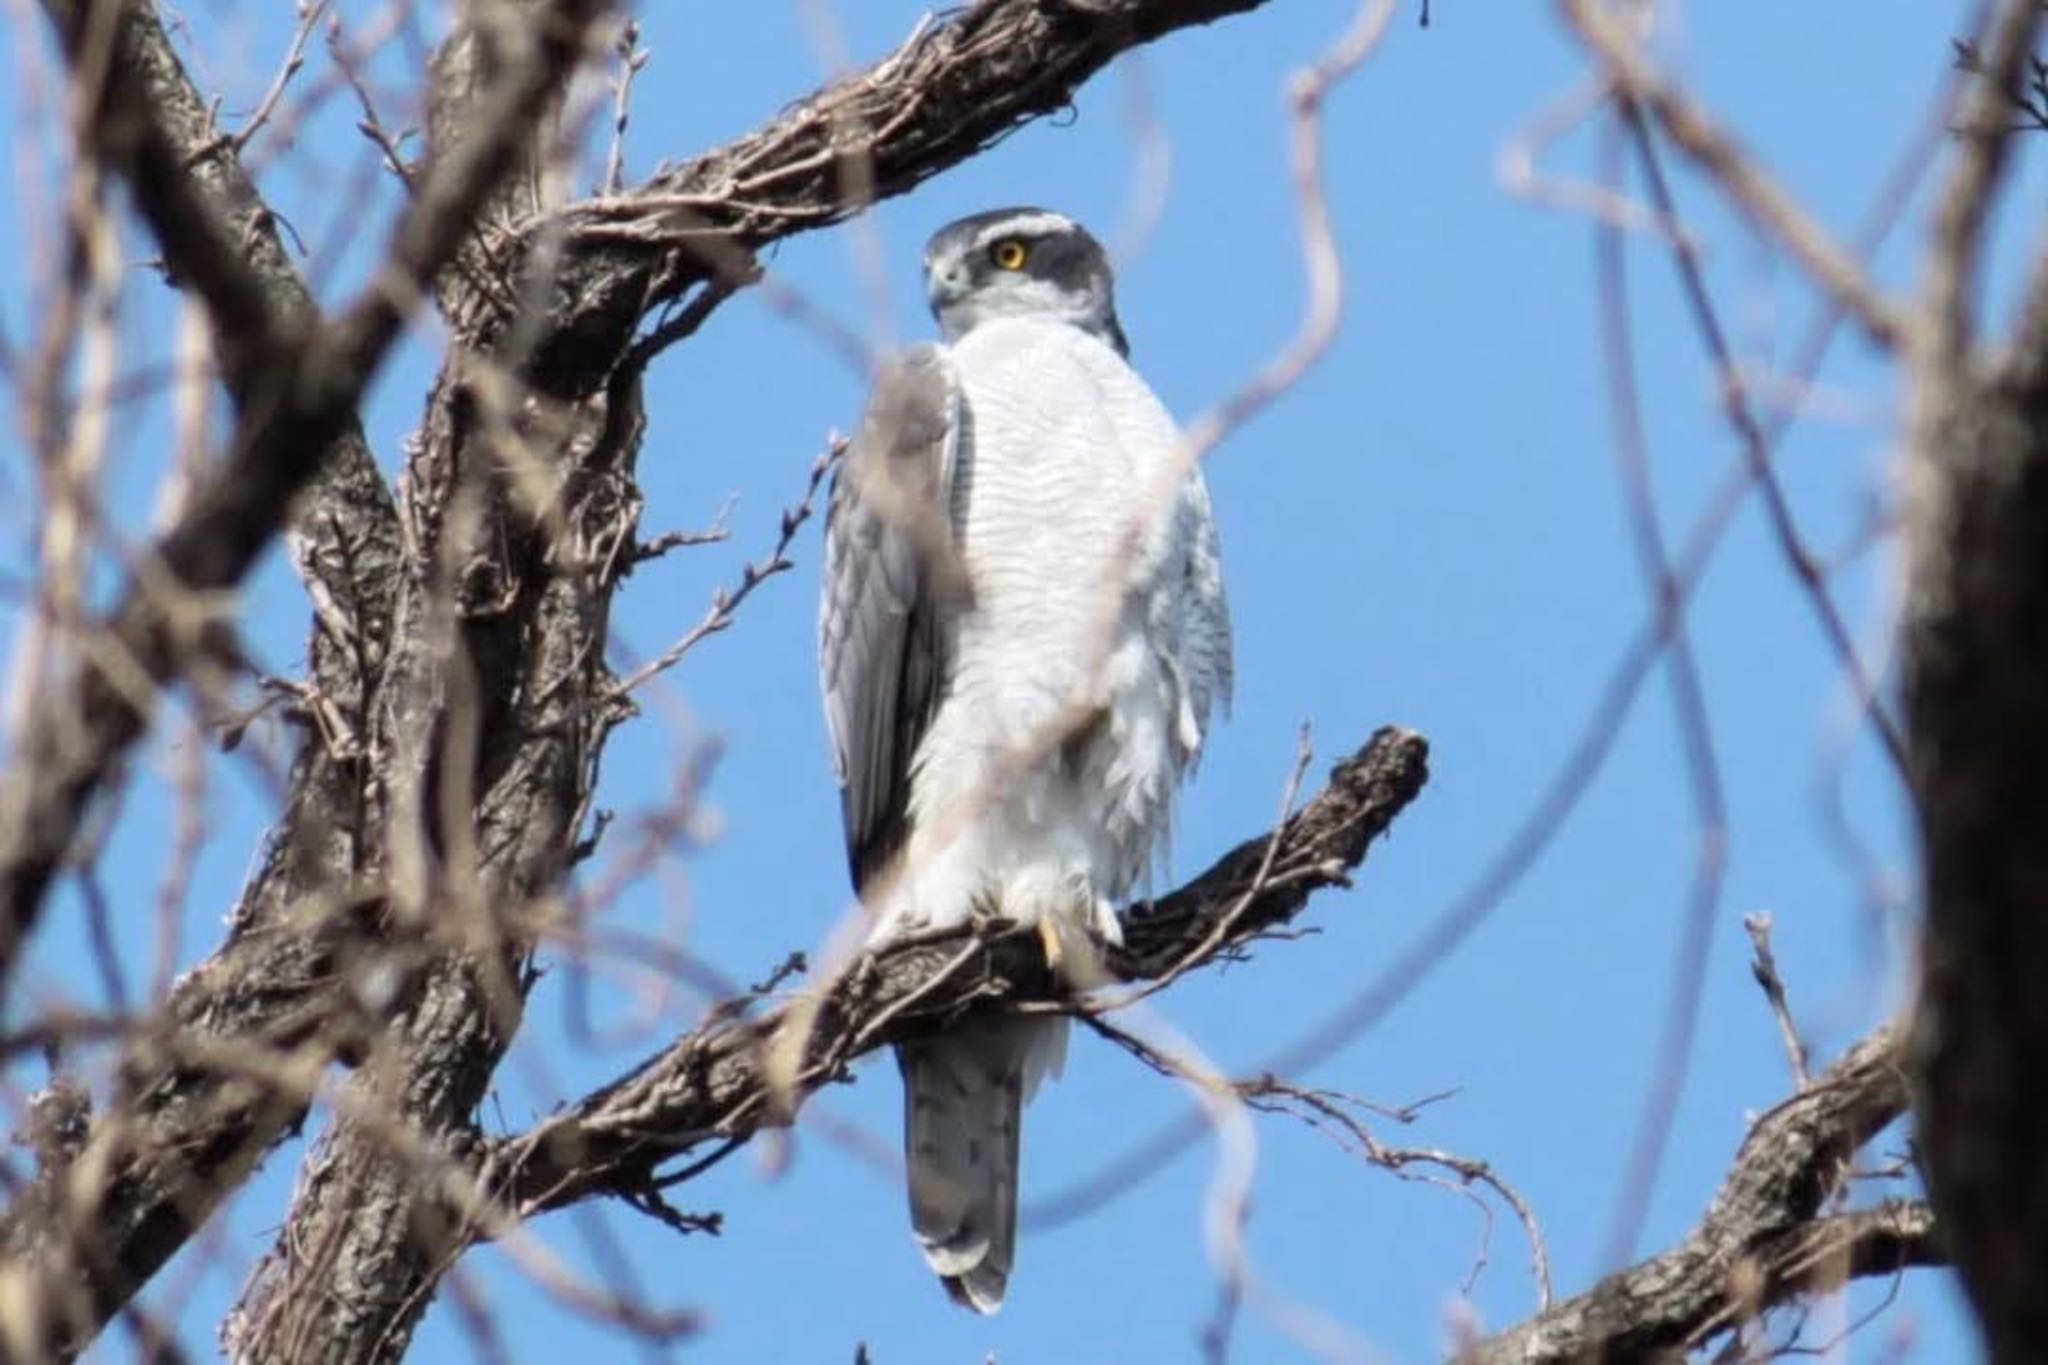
1064	273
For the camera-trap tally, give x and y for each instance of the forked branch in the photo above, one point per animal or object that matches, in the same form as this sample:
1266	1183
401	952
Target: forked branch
1764	1240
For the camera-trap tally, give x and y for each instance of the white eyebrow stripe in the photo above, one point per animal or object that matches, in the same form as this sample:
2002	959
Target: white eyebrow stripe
1024	225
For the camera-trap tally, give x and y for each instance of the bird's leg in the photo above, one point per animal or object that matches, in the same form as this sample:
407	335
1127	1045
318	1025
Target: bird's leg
1049	935
984	913
989	919
1088	916
1103	920
1074	953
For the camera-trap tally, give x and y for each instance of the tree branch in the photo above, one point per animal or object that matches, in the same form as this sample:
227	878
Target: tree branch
307	942
1975	652
1762	1241
1985	133
717	1083
956	85
296	388
1775	213
178	1139
153	1190
556	390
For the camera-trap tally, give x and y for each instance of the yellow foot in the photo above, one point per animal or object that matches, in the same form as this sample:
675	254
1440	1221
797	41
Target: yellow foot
1049	935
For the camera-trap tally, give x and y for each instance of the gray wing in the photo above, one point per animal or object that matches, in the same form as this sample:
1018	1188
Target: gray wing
1210	666
1196	624
893	584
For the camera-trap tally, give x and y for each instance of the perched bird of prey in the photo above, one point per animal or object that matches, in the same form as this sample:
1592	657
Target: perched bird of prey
1022	635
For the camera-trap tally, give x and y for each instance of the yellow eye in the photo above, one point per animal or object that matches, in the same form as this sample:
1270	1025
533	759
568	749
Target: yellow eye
1009	254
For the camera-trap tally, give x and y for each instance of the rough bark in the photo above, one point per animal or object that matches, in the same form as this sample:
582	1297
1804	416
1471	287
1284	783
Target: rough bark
1976	672
1764	1239
296	384
1973	645
724	1082
312	932
285	940
389	1233
179	1137
366	1246
954	87
1978	705
457	708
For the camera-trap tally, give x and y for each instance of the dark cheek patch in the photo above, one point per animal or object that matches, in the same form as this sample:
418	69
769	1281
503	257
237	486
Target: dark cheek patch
1061	260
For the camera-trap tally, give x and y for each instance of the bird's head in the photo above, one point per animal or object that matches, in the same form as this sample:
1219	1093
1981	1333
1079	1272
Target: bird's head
1020	262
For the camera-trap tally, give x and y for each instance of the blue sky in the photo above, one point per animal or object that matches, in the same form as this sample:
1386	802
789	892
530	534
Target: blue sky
1428	531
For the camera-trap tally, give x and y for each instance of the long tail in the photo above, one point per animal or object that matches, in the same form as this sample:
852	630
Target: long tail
963	1098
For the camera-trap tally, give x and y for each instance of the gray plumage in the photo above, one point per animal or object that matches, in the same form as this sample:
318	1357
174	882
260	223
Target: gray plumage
1022	636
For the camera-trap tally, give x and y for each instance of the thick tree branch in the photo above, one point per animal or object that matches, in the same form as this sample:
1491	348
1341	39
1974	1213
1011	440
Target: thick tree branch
1763	1241
177	1140
719	1083
956	85
296	388
290	974
153	1190
1975	648
555	376
1985	133
337	953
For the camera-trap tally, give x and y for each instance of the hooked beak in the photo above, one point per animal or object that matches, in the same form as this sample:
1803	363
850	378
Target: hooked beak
945	287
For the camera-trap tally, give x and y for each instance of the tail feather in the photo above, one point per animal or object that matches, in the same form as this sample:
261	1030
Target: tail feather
963	1100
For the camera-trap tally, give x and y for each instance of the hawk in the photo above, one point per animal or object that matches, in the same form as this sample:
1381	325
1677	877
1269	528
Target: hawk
1022	635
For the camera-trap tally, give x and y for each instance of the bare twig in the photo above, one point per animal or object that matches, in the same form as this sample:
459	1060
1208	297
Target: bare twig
1763	965
1749	430
632	57
1604	30
1985	136
725	603
712	1085
389	145
310	13
1688	695
2027	96
1226	927
1307	89
955	85
1761	1241
1554	804
1331	1109
296	387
